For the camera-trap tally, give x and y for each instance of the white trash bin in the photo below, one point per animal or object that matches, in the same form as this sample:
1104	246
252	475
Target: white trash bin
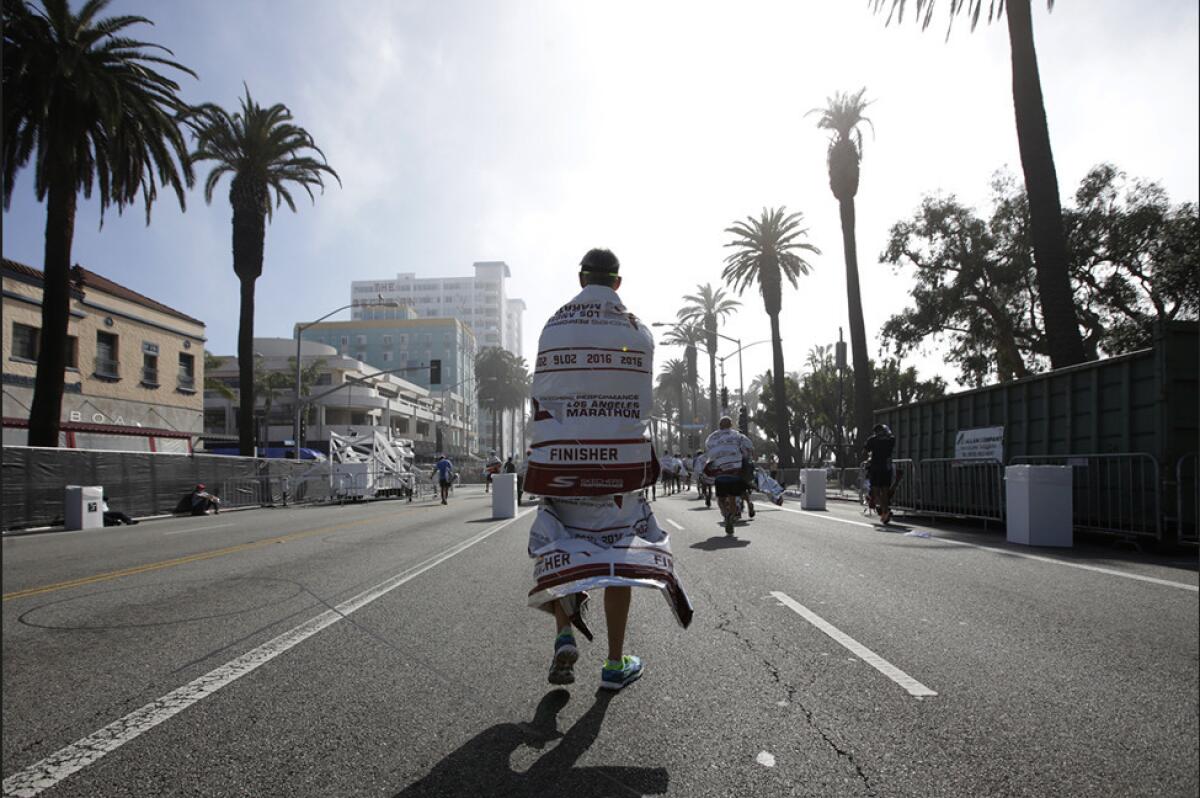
504	495
1038	505
84	507
812	489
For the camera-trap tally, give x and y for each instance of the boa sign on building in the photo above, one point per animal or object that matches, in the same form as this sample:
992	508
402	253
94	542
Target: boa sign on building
592	396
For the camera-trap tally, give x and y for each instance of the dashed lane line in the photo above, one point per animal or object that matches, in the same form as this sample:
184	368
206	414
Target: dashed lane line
1010	553
78	755
911	685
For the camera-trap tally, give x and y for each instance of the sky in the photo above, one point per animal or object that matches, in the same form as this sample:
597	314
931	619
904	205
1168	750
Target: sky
529	131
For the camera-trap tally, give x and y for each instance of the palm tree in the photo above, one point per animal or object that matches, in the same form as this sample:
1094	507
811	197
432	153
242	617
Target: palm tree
687	335
707	308
1037	162
86	98
674	378
263	152
842	114
764	253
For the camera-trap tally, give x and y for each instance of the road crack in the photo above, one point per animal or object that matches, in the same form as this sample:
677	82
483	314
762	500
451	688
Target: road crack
725	625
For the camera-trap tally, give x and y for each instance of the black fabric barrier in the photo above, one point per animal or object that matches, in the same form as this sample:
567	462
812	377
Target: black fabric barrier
136	483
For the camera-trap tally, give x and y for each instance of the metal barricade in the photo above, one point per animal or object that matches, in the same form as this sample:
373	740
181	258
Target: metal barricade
1187	499
905	487
249	491
957	488
1113	493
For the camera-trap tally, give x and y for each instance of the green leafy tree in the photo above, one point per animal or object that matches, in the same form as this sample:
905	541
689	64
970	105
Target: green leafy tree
85	102
1065	343
503	382
765	251
264	153
707	308
215	384
843	115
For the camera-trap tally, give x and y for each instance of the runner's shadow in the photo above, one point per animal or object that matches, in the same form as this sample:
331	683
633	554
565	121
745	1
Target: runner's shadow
718	542
483	766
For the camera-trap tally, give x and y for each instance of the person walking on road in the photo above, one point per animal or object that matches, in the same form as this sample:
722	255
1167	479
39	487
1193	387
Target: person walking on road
445	475
589	461
879	448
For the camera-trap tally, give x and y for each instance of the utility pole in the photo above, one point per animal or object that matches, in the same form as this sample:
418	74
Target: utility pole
840	363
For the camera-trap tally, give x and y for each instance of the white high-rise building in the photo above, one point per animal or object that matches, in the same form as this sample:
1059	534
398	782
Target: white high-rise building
481	302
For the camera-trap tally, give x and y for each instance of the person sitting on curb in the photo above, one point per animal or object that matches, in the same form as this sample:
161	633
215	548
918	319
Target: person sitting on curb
202	501
114	517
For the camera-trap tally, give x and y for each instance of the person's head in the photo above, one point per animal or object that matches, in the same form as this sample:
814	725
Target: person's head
726	422
880	429
599	267
699	452
200	486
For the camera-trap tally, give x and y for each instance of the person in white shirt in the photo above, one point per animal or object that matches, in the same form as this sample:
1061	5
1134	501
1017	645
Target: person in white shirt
728	452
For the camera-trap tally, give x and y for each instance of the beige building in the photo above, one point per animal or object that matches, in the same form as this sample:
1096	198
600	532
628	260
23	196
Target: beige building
135	373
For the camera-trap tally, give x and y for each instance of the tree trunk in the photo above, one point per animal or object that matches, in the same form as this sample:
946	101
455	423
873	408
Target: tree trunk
1063	338
246	430
45	414
782	431
858	333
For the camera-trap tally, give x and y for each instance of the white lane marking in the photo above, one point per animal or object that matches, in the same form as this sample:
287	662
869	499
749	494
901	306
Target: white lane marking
672	523
78	755
1010	553
765	759
914	688
196	529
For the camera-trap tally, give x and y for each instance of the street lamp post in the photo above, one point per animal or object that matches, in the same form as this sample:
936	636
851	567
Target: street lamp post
738	352
300	328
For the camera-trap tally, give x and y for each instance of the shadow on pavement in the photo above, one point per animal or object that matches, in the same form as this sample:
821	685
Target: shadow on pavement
718	542
483	765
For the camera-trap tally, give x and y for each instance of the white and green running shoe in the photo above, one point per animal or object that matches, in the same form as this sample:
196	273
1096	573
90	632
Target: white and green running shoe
614	675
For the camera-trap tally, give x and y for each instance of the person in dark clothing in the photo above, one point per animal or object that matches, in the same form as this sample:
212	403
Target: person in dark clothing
509	466
879	448
115	517
202	501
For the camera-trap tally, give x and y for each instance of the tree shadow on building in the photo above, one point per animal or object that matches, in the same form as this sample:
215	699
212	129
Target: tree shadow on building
483	766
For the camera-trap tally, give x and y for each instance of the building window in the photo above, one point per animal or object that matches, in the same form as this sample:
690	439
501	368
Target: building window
387	340
325	378
72	359
149	369
361	340
214	420
387	357
187	372
345	340
106	355
25	341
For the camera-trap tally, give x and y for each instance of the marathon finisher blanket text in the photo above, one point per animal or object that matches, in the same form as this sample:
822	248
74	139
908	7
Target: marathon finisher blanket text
592	399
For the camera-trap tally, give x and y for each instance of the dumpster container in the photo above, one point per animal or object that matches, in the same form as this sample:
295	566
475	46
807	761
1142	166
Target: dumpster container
84	507
504	495
812	488
1038	505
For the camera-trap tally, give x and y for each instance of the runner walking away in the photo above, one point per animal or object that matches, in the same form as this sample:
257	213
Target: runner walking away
702	481
491	469
727	451
879	447
594	528
445	475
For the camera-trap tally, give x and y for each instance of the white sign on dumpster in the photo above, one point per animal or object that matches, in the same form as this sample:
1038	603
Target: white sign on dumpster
981	443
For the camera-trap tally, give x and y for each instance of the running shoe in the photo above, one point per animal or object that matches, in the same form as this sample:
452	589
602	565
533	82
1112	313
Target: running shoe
562	667
751	511
613	677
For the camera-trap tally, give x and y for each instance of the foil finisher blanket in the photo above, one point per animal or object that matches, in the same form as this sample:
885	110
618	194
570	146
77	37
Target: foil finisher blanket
582	544
592	400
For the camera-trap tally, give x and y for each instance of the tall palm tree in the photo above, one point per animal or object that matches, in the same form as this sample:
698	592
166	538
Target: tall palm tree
707	308
1037	162
843	114
688	335
88	100
263	151
765	251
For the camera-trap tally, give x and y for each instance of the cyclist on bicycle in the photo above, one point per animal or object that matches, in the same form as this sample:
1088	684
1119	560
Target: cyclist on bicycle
727	451
879	447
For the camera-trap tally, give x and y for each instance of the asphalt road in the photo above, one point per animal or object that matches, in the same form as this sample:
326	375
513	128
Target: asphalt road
386	650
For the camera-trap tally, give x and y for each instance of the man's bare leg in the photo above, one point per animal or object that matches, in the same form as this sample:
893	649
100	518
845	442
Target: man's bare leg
616	614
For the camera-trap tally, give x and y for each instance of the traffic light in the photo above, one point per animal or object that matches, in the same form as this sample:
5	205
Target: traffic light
743	421
435	372
724	396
